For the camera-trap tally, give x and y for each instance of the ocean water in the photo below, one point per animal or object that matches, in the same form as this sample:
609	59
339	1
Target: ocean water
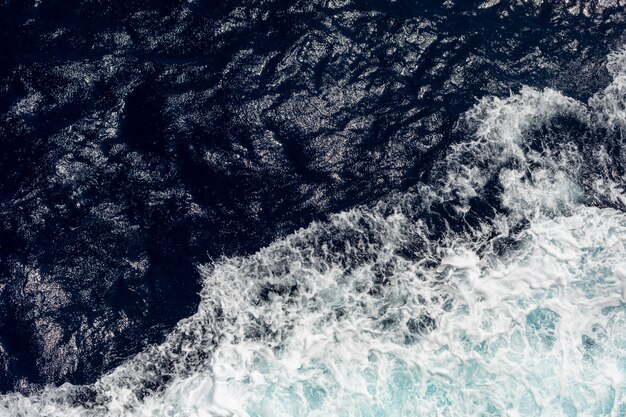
143	139
496	287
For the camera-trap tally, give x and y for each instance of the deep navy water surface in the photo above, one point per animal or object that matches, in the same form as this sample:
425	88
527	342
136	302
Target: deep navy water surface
141	138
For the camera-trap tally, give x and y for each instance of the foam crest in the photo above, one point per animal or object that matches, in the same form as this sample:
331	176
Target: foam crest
537	331
609	105
544	151
499	139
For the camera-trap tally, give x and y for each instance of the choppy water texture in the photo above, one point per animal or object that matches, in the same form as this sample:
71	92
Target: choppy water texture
387	209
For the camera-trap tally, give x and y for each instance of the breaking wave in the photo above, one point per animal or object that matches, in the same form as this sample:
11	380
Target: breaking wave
497	287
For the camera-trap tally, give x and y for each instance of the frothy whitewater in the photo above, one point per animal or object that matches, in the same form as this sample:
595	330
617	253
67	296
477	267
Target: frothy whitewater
392	310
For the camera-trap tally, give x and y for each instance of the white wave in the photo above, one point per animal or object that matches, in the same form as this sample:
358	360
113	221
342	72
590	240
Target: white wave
610	105
374	313
499	146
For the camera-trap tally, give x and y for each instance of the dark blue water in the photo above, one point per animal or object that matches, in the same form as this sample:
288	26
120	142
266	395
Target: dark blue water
142	138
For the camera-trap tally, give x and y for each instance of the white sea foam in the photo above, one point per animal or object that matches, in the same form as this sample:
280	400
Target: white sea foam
375	313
